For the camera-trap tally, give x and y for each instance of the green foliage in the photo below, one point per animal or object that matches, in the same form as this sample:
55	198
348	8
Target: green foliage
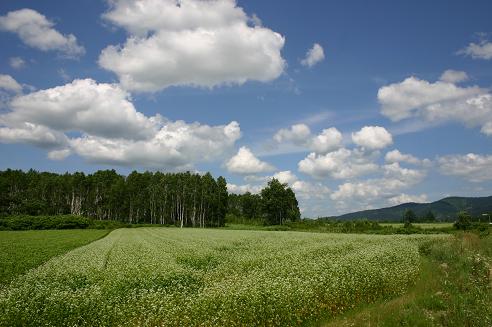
463	222
246	205
428	217
444	210
21	251
453	289
182	199
44	222
279	203
209	277
232	219
409	217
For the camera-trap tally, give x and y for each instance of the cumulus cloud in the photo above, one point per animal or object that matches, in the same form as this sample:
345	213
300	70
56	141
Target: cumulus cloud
176	145
8	83
437	102
285	177
394	178
297	134
245	162
241	189
339	164
111	130
313	56
481	50
308	190
98	109
59	154
191	43
372	138
36	31
472	167
397	156
453	76
407	198
33	134
328	140
17	62
304	190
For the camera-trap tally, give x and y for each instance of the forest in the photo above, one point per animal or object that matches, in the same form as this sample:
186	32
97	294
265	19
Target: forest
181	199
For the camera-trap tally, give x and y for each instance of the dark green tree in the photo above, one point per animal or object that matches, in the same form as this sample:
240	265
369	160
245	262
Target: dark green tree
429	216
184	199
279	203
463	221
409	218
222	199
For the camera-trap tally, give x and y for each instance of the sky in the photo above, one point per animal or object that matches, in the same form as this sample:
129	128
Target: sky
354	104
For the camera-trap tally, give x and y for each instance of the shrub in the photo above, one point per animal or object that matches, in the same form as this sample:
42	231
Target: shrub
43	222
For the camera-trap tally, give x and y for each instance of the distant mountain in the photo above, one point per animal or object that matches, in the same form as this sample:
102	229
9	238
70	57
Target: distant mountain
444	209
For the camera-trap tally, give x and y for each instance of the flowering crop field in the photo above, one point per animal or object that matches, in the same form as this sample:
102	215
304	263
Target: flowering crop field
207	277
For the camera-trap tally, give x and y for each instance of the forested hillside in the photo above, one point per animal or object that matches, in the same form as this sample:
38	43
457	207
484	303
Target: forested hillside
444	209
182	199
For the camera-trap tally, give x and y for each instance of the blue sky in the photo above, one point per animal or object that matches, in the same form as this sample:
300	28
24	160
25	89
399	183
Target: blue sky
356	105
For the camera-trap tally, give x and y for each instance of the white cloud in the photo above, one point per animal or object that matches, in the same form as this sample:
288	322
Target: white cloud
35	30
64	75
394	178
328	140
453	76
397	156
112	130
241	189
339	164
177	145
482	50
8	83
487	128
285	176
372	138
245	162
59	154
406	198
406	176
313	56
437	102
17	62
304	190
297	134
190	43
83	105
472	167
33	134
307	190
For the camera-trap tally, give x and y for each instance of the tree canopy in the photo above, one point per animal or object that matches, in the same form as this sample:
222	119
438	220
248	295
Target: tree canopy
181	199
279	203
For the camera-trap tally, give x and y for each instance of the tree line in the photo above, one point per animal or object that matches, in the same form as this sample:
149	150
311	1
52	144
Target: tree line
181	199
275	204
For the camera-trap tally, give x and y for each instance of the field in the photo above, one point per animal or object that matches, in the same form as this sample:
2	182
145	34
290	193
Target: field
160	276
454	288
21	251
421	225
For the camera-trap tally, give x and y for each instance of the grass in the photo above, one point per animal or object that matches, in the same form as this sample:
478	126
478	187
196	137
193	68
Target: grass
23	250
210	277
454	288
422	225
